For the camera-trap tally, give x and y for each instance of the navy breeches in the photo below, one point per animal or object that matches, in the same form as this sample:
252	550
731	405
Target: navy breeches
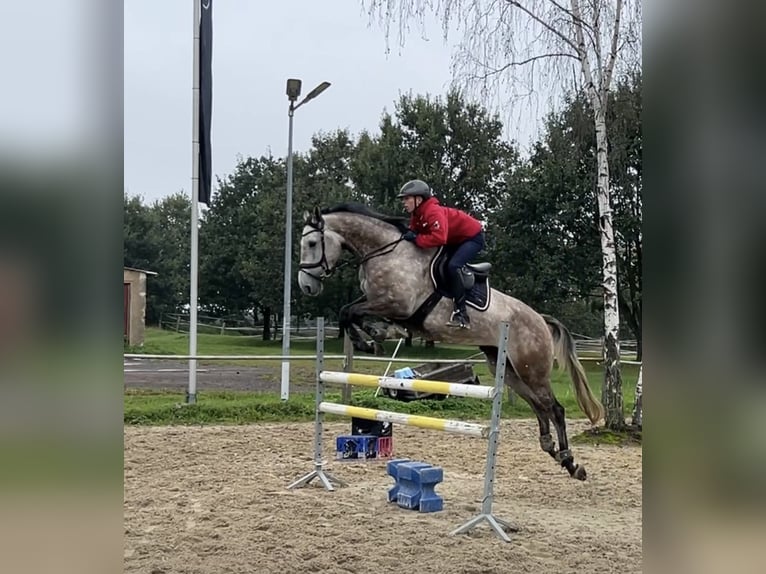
462	255
465	252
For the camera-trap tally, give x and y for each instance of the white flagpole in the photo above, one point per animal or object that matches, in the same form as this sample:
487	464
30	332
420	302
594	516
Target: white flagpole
191	393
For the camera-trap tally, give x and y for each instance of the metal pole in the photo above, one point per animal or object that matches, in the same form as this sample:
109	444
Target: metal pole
498	525
325	478
191	393
319	396
285	387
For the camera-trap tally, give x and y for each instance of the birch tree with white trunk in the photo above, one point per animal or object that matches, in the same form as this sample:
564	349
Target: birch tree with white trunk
522	51
638	406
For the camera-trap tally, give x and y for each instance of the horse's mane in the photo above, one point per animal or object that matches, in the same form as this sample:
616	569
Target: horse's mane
397	221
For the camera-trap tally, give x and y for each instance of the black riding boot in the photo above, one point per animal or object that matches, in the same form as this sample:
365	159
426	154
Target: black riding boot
459	317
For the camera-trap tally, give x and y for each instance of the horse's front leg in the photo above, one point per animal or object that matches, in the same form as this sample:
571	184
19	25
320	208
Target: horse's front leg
351	325
356	315
378	335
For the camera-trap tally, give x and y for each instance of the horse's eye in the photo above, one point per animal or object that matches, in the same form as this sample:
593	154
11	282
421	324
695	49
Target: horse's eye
312	244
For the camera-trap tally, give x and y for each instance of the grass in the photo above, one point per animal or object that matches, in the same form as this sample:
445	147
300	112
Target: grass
148	407
630	436
159	408
154	408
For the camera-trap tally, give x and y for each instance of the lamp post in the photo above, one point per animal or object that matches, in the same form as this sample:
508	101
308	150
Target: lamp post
293	91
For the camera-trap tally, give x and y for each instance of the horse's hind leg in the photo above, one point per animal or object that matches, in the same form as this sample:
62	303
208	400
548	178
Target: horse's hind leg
565	455
546	408
518	385
556	414
541	412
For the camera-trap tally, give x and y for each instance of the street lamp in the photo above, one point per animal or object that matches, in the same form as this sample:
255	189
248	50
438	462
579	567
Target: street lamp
293	92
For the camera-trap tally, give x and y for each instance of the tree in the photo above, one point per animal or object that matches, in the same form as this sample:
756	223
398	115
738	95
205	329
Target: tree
638	406
324	178
626	160
548	255
550	258
156	238
381	165
537	44
138	234
242	239
454	145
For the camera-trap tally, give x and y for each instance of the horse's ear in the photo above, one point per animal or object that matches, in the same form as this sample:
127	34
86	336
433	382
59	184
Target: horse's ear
317	213
306	216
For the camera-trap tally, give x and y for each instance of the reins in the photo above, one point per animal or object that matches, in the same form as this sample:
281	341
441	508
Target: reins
384	250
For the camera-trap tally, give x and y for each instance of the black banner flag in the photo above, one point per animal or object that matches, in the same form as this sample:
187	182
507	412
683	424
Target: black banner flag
206	100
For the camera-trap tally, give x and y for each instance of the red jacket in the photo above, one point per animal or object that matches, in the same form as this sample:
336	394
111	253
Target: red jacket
438	225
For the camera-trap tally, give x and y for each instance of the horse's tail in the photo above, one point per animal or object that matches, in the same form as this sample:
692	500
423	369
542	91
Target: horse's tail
564	350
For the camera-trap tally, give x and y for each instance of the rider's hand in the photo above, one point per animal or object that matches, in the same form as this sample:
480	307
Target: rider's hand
409	236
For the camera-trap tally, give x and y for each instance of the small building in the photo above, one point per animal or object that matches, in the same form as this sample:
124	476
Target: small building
134	297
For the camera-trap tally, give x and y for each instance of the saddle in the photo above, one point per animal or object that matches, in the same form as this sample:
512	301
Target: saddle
475	281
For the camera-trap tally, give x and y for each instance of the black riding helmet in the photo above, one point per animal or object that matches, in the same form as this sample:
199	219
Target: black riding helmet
415	187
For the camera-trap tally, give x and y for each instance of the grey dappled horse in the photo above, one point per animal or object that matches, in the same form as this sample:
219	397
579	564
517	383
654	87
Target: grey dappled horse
396	279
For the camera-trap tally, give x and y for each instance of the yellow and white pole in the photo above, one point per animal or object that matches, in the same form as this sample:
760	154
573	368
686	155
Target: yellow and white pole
420	385
447	425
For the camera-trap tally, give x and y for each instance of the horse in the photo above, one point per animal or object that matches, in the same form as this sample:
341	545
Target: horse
397	279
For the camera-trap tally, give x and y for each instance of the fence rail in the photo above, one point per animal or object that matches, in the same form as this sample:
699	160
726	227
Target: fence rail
313	358
588	349
236	326
231	324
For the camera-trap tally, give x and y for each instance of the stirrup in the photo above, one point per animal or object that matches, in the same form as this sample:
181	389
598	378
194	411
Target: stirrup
459	319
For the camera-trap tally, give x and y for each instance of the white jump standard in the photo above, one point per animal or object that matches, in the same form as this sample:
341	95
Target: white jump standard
490	432
326	479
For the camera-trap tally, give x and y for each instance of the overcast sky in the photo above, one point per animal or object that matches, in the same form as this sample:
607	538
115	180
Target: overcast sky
256	47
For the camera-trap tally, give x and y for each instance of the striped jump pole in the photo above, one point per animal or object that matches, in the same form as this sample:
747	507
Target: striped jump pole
421	385
457	427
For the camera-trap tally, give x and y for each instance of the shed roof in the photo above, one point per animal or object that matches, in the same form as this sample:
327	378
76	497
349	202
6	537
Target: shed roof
140	270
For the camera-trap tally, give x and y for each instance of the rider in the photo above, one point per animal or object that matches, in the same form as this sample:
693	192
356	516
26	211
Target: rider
433	225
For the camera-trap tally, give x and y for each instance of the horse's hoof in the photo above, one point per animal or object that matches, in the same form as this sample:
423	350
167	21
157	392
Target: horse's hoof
579	472
364	348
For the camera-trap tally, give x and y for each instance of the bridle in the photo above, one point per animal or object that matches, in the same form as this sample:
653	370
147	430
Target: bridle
326	270
323	264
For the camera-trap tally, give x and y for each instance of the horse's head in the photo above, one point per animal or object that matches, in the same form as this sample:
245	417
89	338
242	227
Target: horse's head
320	250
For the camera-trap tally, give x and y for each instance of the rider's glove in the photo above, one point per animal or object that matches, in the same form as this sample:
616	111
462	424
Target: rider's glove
409	236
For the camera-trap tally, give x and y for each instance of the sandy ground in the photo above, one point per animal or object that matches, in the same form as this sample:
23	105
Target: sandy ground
214	500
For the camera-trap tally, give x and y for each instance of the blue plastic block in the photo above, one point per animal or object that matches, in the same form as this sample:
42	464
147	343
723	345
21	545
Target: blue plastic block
431	504
410	489
429	478
416	482
411	483
392	466
392	469
412	471
356	447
